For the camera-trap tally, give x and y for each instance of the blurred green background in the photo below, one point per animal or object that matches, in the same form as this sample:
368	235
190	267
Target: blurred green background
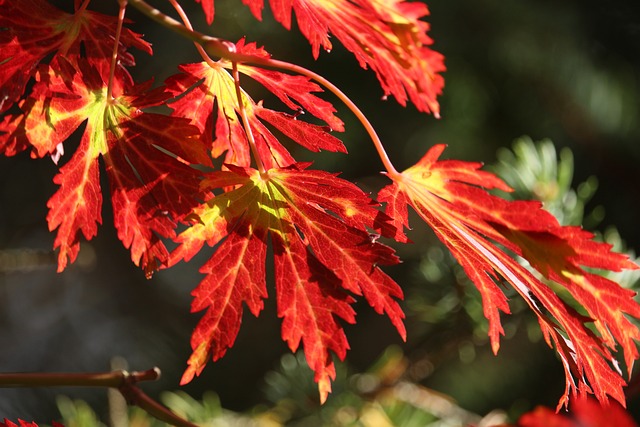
567	71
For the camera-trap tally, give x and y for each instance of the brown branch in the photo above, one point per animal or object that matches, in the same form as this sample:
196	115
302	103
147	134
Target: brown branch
136	396
212	45
122	380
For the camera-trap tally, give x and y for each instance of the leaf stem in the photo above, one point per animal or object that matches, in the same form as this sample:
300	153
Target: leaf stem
83	6
212	45
384	157
208	60
124	381
187	23
245	120
116	43
224	49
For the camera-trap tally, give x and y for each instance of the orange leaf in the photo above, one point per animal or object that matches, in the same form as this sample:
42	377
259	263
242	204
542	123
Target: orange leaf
484	232
22	423
33	29
323	257
386	36
147	158
211	103
208	9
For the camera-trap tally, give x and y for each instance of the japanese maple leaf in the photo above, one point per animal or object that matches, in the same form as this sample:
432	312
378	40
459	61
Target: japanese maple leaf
211	103
323	256
384	35
484	231
150	188
22	423
583	413
208	9
33	29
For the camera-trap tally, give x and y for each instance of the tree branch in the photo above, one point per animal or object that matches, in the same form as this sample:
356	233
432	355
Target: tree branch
122	380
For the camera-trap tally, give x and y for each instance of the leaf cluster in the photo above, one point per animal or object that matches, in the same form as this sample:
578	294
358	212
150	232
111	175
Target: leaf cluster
62	73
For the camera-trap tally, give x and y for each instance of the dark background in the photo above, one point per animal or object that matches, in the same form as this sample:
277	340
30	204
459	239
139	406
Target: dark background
568	71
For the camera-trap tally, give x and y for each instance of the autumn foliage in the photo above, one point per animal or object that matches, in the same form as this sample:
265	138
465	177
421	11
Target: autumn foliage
584	413
22	423
63	72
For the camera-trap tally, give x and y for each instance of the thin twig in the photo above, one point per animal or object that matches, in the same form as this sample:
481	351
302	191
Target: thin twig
122	380
282	65
142	400
57	379
225	49
187	23
213	45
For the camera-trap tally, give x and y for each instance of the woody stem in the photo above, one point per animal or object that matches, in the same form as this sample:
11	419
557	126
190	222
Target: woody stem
124	381
60	379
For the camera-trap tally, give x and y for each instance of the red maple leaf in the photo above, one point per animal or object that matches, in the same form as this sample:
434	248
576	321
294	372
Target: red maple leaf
583	413
150	189
386	36
33	29
208	9
211	103
318	227
483	231
22	423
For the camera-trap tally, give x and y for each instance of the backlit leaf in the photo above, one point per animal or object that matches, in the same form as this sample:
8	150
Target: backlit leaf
147	158
208	9
323	256
211	103
484	232
33	29
387	36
